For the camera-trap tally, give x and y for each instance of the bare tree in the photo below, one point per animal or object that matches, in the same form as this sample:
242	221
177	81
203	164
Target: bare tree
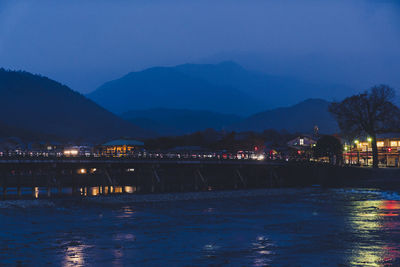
369	113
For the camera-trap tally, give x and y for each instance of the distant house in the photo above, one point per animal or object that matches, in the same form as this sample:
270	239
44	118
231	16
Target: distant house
302	142
121	147
12	145
73	151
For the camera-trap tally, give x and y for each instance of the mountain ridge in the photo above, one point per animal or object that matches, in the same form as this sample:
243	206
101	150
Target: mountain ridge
301	117
225	87
40	105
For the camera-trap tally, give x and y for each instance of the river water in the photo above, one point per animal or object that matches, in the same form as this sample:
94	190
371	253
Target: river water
276	227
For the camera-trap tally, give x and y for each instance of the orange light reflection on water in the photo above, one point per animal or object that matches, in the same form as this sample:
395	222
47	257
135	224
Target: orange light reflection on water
367	219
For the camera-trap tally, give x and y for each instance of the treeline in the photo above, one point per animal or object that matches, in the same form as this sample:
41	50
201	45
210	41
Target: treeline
219	140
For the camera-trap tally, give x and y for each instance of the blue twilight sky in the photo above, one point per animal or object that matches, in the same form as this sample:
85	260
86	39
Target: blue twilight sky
85	43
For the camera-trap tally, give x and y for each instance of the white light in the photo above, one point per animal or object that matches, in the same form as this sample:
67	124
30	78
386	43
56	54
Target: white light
71	152
261	157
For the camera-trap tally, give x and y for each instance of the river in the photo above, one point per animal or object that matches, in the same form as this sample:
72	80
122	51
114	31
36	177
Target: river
275	227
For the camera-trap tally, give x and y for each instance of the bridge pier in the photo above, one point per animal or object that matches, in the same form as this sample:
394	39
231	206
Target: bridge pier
242	179
4	191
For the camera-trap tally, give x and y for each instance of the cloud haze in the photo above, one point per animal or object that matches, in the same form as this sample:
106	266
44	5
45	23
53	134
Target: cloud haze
85	43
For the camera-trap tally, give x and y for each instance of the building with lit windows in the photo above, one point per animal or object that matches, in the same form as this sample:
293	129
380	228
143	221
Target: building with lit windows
302	142
121	147
360	152
301	146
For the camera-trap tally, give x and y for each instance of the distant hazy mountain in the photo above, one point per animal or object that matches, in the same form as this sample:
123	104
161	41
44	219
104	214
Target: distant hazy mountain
170	87
39	105
226	88
301	117
179	121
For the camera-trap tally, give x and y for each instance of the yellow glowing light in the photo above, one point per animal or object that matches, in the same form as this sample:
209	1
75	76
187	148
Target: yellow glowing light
36	192
369	139
70	152
356	141
129	189
380	144
261	157
393	143
82	171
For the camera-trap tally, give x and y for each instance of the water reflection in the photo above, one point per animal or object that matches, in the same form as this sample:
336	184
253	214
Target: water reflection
36	192
74	255
370	219
262	247
210	250
126	212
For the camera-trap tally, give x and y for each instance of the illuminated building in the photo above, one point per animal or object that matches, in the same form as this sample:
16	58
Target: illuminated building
121	147
77	151
360	152
302	146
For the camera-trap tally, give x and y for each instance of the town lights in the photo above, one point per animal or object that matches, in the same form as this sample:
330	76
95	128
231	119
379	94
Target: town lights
71	152
82	171
369	139
261	157
356	141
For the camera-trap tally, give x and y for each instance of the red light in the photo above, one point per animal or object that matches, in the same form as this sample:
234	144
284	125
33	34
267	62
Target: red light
255	148
298	152
389	149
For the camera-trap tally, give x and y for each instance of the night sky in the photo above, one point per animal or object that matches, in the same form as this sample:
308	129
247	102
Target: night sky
86	43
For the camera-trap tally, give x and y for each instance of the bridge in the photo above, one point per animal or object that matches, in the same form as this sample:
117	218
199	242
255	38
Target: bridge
131	175
51	177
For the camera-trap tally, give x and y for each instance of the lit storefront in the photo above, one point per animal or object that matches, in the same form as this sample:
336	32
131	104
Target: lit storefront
121	147
360	152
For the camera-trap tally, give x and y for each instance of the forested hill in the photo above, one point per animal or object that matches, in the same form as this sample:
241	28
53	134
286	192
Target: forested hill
45	107
301	117
179	121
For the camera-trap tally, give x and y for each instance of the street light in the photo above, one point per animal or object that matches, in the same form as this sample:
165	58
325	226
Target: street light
369	139
358	151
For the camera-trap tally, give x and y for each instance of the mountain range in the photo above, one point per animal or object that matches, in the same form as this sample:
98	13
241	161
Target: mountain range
37	107
224	88
301	117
